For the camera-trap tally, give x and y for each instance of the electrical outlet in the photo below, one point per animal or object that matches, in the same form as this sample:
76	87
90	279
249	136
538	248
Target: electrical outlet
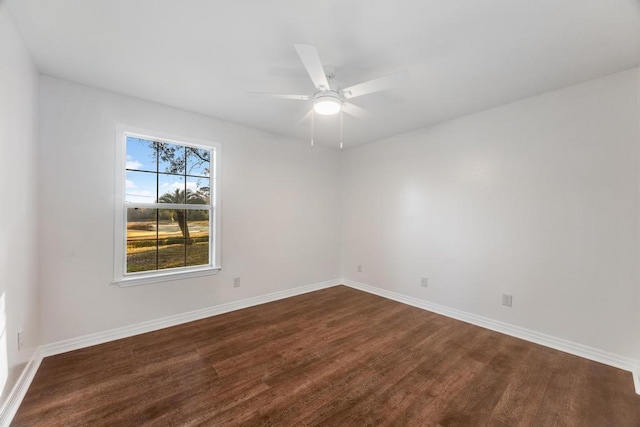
20	340
424	282
507	300
359	268
236	282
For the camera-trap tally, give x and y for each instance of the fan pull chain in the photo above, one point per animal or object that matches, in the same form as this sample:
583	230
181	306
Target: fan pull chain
312	116
341	129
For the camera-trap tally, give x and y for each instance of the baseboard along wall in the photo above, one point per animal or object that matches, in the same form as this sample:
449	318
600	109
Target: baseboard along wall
13	400
591	353
11	404
166	322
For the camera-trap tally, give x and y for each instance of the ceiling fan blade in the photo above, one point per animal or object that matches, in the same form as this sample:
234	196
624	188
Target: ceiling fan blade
355	111
279	96
306	118
311	61
375	85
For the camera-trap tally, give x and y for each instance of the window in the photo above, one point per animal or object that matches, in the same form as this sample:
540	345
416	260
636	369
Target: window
166	218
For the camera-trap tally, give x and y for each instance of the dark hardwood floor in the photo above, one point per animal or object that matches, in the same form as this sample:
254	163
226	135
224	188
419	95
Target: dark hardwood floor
332	357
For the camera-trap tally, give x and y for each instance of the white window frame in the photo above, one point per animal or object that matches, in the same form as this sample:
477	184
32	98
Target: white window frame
121	277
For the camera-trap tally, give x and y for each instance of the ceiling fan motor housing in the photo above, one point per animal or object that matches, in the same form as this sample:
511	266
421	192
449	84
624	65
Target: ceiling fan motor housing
327	102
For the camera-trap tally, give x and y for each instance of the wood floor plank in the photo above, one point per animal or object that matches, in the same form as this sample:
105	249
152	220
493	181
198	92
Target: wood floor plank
337	356
525	388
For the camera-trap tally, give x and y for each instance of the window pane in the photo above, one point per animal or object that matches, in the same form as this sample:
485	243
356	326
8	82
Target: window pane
140	187
198	161
171	189
198	243
171	253
141	154
172	158
172	228
159	239
170	223
141	240
198	190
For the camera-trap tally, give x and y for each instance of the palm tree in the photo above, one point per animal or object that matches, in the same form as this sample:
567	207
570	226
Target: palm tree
179	196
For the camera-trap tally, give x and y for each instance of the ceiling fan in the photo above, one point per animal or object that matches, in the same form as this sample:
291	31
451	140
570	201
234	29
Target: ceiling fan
328	100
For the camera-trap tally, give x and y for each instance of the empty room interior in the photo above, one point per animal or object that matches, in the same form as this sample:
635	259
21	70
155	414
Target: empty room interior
412	213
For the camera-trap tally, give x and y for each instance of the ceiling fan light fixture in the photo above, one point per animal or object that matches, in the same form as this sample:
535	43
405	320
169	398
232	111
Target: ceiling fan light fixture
327	105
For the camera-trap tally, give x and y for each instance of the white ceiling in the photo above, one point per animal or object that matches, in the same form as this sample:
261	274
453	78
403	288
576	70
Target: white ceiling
202	55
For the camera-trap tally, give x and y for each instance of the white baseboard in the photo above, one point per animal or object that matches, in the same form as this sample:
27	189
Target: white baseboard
591	353
14	398
11	405
166	322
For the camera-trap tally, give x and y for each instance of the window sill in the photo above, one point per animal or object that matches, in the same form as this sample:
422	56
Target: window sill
146	279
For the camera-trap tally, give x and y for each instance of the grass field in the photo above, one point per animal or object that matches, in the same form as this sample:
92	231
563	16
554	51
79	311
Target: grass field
148	249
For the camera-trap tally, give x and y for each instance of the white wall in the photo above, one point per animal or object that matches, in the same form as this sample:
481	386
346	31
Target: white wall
18	255
280	225
538	199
